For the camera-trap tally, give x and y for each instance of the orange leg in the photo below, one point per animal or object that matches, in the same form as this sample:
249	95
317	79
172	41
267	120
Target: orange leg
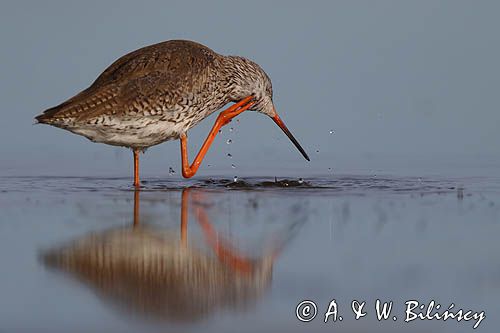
136	168
224	118
184	216
223	250
136	207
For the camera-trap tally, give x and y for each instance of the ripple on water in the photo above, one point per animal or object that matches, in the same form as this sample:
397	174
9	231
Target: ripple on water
342	184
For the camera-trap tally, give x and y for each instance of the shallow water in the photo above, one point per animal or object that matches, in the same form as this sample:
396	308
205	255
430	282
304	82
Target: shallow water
93	255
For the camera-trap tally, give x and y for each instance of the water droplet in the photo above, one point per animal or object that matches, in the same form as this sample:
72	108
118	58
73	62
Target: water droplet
331	131
317	151
301	181
171	171
329	169
209	165
220	131
229	155
229	141
235	179
233	166
231	129
237	120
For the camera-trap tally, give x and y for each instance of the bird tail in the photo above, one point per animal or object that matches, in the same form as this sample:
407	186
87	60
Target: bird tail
52	115
47	116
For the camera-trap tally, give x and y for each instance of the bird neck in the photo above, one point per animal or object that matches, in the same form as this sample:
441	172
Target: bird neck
238	77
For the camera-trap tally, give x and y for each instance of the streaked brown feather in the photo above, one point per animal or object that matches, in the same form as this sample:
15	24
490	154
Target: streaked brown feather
159	92
139	78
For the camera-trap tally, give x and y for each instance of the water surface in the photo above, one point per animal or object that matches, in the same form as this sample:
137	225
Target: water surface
212	254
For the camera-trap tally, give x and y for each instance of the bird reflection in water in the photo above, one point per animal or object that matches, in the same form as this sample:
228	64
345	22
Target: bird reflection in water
152	271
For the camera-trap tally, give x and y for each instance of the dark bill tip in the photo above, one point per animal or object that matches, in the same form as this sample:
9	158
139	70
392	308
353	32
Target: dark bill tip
283	127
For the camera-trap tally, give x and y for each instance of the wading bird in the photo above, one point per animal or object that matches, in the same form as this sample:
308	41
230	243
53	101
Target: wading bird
154	272
157	93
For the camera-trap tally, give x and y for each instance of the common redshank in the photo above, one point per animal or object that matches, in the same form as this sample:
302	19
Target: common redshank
154	272
157	93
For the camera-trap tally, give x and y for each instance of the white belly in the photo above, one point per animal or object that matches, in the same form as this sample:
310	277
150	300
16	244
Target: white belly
139	133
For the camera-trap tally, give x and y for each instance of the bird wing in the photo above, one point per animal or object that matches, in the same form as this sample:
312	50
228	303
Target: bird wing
177	57
151	91
154	76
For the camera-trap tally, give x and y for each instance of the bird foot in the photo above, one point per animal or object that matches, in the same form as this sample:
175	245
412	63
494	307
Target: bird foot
226	116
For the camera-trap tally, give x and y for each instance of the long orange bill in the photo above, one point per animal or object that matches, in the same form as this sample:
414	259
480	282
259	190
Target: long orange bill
282	125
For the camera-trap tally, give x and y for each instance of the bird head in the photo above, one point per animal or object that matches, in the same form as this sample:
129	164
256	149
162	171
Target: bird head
249	79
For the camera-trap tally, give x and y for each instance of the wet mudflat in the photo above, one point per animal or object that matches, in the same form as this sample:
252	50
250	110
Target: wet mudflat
217	255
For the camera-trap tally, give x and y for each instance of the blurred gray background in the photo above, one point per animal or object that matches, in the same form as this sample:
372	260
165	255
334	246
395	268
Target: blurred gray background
408	87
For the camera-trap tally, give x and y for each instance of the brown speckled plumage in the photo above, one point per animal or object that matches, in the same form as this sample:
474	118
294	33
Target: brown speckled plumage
158	92
149	272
